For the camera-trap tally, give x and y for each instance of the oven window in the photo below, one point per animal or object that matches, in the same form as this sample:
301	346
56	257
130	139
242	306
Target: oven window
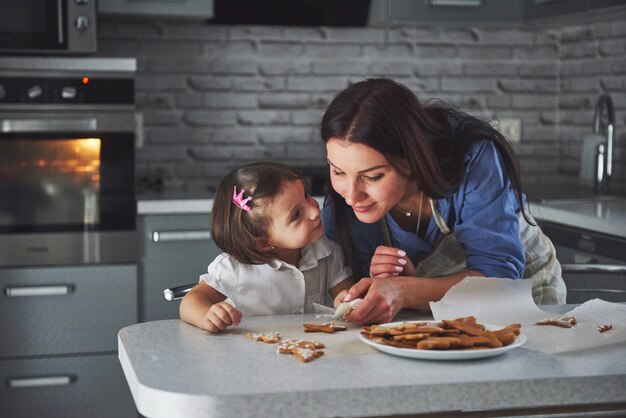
65	184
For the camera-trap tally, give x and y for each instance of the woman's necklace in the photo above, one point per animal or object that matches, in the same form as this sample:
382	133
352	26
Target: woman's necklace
410	212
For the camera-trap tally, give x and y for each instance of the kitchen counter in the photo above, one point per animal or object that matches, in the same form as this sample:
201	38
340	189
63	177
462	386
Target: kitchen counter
175	369
560	200
564	201
606	215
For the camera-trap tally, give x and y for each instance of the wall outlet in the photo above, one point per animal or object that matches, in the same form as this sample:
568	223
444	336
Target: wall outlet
139	132
511	128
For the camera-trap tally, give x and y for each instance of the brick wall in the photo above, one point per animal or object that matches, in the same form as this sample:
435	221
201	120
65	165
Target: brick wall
214	97
593	61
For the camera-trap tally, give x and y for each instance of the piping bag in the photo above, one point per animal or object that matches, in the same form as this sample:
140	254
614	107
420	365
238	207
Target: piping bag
342	310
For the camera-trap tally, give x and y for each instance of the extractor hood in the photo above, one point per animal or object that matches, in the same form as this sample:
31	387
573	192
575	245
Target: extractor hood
291	12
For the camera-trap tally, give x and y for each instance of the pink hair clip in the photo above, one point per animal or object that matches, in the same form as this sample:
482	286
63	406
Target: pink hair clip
240	201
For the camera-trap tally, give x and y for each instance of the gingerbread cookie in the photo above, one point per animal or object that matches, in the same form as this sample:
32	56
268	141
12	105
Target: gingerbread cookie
605	328
306	354
328	328
458	334
285	346
559	321
304	351
269	338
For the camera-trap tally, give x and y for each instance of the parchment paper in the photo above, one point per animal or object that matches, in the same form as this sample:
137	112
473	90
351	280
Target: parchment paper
504	301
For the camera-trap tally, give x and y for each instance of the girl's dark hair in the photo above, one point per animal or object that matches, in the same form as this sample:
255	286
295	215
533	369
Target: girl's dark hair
432	137
233	229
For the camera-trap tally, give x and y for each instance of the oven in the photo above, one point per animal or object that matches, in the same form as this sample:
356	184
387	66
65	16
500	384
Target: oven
67	146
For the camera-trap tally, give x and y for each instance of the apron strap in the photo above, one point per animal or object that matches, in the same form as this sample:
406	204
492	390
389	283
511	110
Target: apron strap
441	223
384	229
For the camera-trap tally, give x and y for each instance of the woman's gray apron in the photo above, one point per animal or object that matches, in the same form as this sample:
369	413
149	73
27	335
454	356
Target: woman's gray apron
448	257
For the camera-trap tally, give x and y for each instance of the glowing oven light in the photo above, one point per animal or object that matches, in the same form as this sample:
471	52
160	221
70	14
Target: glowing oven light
91	144
67	161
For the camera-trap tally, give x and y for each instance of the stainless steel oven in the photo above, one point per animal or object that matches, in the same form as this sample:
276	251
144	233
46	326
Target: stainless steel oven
67	143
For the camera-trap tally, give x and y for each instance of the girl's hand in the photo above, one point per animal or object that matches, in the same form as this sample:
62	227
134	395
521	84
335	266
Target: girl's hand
382	301
219	316
390	261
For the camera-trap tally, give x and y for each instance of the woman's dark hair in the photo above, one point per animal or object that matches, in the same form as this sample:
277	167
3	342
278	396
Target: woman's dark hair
432	137
234	229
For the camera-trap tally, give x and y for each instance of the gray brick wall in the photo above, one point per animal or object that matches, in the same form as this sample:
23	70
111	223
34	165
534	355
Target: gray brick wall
214	97
593	61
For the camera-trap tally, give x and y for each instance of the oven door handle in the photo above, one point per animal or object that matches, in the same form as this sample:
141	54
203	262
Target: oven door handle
40	381
171	236
30	291
52	125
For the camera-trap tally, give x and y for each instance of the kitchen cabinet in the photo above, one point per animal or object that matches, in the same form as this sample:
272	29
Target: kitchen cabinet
70	387
501	12
177	9
59	350
576	246
391	12
553	10
534	9
176	249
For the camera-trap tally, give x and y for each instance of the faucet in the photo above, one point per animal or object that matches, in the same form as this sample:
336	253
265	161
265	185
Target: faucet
604	152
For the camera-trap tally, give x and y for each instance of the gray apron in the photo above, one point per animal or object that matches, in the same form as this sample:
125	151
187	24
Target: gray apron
448	257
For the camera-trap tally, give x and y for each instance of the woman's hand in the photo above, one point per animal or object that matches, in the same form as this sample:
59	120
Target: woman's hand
219	316
384	297
339	298
390	261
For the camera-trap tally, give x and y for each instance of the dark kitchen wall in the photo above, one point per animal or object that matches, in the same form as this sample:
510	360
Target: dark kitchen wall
213	97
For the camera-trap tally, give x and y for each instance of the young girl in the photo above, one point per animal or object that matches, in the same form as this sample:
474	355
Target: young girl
276	259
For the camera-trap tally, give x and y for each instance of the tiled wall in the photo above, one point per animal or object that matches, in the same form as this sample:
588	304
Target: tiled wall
216	96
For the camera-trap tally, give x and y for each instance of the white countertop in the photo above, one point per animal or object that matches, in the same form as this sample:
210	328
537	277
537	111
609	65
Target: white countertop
605	214
175	369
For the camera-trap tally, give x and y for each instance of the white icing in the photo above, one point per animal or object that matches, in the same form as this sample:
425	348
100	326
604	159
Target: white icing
345	308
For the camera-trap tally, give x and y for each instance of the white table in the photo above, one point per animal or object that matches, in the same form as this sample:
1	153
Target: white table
174	369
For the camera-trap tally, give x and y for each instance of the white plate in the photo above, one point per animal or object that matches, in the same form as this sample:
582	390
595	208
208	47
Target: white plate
444	354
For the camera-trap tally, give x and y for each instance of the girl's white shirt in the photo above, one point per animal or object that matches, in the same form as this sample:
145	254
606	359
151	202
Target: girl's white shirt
279	288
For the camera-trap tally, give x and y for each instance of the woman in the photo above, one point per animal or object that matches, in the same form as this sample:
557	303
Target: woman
423	196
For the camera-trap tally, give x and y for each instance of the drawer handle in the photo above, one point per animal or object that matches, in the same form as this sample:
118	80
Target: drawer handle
581	290
41	381
593	268
170	236
28	291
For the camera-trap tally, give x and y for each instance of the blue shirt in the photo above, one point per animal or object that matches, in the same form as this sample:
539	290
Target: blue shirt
482	215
